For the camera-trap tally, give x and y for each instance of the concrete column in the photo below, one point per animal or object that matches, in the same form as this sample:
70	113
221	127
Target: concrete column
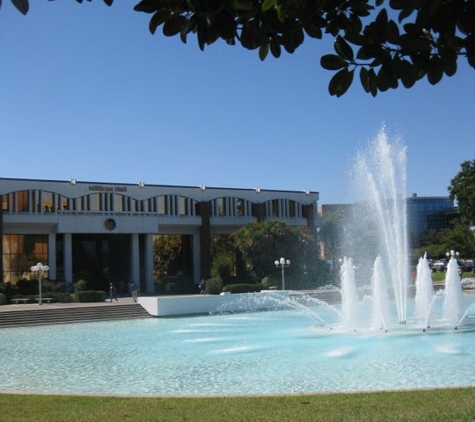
204	209
196	259
135	259
52	256
309	213
148	260
68	258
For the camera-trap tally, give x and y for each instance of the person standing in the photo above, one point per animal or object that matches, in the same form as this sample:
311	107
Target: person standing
112	292
134	288
202	286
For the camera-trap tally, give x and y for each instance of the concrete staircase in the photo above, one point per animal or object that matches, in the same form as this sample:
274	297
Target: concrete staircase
47	316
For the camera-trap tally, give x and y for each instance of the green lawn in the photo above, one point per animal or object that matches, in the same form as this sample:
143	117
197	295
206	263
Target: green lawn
440	276
445	405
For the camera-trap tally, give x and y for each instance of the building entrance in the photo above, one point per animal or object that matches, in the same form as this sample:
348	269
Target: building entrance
101	259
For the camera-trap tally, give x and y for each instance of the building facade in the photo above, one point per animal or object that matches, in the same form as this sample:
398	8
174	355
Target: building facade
107	230
425	213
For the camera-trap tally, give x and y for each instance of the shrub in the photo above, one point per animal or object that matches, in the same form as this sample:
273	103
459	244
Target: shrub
6	289
61	297
89	296
214	286
222	267
242	288
27	287
80	285
268	282
3	299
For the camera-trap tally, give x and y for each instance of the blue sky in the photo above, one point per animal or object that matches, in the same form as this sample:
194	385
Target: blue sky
87	92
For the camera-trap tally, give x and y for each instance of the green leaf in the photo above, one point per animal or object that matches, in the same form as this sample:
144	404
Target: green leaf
157	19
405	72
225	25
435	72
292	39
449	63
386	80
149	6
263	51
364	79
174	25
332	62
244	5
418	45
267	5
275	46
22	5
340	82
392	32
250	37
313	31
373	85
343	49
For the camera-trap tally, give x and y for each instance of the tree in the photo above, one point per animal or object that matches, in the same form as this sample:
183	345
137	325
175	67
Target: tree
461	238
166	251
462	189
262	243
425	40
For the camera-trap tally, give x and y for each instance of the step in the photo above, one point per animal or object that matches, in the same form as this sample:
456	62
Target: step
71	315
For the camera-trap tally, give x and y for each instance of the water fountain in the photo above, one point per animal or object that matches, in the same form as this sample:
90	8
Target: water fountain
381	177
304	345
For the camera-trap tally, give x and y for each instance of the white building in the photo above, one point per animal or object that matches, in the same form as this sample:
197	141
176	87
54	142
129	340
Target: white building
108	229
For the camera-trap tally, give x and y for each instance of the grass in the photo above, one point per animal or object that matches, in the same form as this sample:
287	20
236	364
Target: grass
454	405
440	276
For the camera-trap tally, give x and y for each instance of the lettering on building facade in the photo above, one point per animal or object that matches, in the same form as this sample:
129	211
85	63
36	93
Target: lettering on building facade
101	188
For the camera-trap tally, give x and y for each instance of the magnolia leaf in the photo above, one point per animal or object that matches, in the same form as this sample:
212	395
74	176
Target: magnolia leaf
267	5
343	49
263	50
22	5
340	82
332	62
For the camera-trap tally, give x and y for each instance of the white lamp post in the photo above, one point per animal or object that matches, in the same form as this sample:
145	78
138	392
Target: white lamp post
282	263
39	269
453	254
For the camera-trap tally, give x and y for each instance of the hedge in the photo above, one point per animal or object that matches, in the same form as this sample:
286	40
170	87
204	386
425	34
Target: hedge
89	296
242	288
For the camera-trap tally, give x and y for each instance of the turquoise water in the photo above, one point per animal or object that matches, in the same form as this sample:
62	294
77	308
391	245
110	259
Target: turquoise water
282	351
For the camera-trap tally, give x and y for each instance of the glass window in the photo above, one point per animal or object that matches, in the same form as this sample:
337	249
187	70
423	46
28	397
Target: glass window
292	209
47	201
275	208
182	206
62	203
7	201
221	203
20	252
240	207
23	204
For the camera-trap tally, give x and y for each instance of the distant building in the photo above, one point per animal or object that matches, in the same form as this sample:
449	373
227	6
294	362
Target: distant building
423	214
107	230
426	213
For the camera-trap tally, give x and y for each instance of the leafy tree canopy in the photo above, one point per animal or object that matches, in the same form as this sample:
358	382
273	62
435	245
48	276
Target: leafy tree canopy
264	242
460	238
462	189
387	42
